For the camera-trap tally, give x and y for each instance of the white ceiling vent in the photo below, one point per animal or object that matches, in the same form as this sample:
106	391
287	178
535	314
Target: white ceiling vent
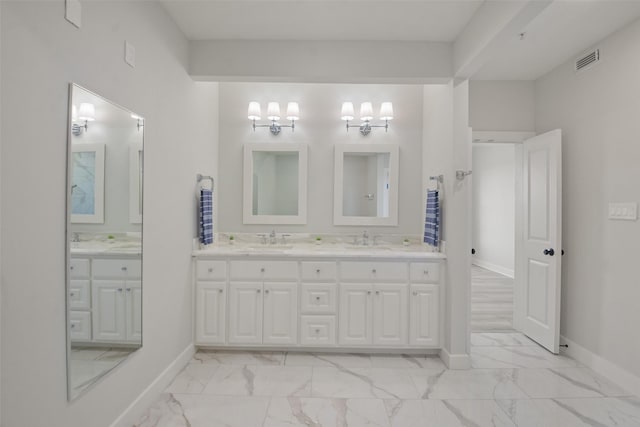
588	60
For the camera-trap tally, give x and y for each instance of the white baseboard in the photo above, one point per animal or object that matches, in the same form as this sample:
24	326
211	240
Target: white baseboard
132	414
602	366
455	361
509	272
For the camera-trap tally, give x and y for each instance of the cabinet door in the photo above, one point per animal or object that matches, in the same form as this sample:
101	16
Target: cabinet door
245	313
134	311
390	322
80	325
424	315
280	313
108	310
210	313
355	314
79	294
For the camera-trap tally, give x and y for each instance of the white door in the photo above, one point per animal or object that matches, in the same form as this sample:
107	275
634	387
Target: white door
424	315
108	310
542	252
390	314
280	313
245	313
210	313
133	305
355	314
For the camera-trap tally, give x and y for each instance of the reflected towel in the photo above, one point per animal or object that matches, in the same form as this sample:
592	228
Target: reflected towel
206	216
432	219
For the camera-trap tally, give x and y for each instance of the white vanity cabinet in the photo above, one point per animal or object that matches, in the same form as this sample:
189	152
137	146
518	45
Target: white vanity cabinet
318	301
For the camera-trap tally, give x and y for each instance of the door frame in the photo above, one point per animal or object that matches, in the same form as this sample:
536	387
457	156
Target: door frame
517	139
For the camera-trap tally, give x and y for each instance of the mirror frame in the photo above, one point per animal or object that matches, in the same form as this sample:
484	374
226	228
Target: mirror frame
98	191
247	203
340	150
136	169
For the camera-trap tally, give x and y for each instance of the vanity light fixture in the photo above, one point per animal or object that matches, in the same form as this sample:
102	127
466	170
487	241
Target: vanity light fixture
86	113
139	119
273	113
366	115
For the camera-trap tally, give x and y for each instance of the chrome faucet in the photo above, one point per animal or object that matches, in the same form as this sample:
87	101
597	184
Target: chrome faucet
75	237
272	237
263	238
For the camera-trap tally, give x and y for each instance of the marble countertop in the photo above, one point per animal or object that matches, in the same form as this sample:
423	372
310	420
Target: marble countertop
320	251
126	248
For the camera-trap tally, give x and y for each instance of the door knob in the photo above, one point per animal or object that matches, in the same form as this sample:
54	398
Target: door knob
549	252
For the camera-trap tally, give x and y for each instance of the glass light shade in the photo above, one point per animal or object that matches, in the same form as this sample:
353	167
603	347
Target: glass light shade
254	113
347	111
135	116
74	113
293	111
386	111
87	112
273	111
366	111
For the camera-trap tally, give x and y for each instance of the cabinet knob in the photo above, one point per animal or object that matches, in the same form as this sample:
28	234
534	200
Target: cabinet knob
262	270
72	294
377	292
368	292
210	269
415	293
317	331
266	291
317	298
119	289
426	272
128	289
220	290
73	326
318	271
373	271
124	268
258	290
72	267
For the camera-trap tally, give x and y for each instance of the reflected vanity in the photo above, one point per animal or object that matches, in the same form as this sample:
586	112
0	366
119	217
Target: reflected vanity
275	183
104	237
366	184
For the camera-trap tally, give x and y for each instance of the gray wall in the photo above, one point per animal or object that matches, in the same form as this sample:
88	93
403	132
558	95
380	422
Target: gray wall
321	128
598	110
41	54
502	105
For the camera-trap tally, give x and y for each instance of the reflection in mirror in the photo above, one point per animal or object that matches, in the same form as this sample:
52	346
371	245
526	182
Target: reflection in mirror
366	184
275	184
104	238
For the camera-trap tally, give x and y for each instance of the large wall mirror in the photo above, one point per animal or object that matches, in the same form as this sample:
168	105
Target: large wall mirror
366	184
275	183
104	237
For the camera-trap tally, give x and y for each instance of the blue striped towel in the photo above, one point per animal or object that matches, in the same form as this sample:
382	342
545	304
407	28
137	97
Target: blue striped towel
206	216
432	219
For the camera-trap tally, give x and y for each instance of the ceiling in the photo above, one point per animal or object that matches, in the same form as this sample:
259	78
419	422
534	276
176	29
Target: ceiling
560	32
354	20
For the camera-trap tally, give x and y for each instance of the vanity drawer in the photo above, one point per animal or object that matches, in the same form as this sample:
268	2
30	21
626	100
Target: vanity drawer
79	268
211	270
79	294
318	330
376	271
321	271
264	270
424	272
117	268
318	298
80	325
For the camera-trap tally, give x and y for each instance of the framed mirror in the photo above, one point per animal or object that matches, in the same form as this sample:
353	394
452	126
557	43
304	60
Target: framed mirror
275	183
365	184
104	238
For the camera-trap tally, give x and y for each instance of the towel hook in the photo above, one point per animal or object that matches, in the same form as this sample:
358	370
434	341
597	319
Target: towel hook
201	178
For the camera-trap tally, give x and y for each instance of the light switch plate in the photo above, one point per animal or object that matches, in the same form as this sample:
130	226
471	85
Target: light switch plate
73	12
623	211
130	54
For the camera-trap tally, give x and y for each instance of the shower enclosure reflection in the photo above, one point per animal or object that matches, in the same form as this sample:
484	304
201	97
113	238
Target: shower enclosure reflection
104	238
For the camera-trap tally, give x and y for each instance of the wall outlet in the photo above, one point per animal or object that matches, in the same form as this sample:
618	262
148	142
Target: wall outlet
623	211
73	12
130	54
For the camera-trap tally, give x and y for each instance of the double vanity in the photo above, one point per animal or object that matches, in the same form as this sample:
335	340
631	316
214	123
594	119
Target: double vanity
322	298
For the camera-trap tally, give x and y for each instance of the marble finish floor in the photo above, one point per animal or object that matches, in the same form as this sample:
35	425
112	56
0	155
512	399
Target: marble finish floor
513	382
491	301
88	364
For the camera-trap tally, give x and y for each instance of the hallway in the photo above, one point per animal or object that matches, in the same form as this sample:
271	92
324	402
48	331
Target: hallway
491	301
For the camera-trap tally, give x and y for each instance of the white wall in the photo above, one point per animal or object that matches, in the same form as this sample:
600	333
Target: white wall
502	105
41	54
494	206
321	128
598	111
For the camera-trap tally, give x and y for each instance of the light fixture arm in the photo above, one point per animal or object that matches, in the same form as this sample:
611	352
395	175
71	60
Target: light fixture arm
76	129
366	126
275	127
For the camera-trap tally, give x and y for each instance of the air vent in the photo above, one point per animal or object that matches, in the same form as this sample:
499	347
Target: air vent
587	60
